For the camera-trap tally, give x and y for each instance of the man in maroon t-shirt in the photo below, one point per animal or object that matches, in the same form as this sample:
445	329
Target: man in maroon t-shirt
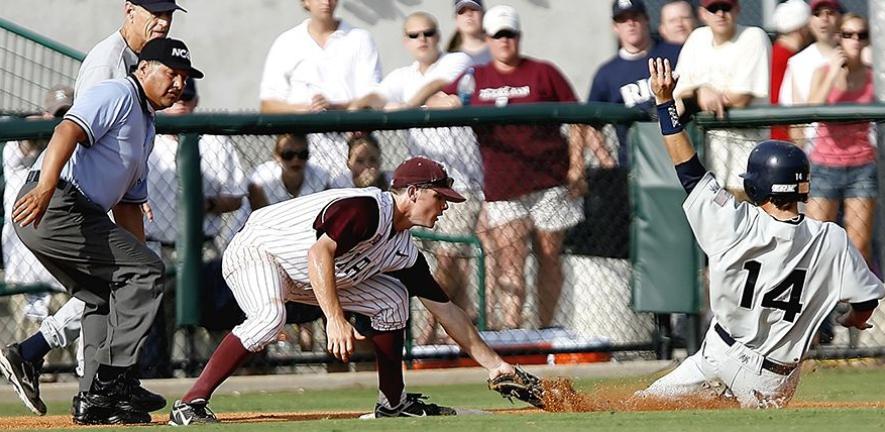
342	250
533	177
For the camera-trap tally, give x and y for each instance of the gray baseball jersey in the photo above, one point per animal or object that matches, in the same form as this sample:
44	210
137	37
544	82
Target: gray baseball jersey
773	282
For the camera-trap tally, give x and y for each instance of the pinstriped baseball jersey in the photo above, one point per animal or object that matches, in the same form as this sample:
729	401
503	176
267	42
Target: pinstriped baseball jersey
773	282
286	232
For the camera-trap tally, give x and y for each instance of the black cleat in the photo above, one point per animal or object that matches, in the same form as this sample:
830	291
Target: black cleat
191	413
414	406
142	398
24	378
108	402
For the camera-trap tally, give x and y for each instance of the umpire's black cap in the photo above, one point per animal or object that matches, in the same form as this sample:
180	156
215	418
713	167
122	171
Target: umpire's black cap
170	52
155	6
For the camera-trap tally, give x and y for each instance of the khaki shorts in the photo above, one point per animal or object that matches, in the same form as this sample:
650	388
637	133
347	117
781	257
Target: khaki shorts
550	209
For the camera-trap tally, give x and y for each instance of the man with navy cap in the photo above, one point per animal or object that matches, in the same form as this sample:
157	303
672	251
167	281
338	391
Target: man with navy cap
61	216
115	56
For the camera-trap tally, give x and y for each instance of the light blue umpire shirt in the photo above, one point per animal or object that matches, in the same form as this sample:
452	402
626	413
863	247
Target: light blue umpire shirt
111	166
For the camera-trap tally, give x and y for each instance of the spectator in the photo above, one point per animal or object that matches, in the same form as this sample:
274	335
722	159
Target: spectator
791	22
321	64
289	175
224	187
469	37
19	264
533	177
455	147
843	160
724	66
115	56
677	21
364	163
624	78
824	27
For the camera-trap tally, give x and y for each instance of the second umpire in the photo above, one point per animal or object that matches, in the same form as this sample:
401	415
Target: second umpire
66	198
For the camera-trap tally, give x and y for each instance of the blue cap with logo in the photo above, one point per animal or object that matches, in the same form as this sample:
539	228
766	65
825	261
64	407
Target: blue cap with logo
620	7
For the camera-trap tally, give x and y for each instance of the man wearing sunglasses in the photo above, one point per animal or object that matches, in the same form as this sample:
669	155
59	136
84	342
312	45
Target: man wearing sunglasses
342	250
533	177
722	66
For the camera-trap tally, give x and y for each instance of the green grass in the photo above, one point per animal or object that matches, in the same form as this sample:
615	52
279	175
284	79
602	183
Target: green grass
832	385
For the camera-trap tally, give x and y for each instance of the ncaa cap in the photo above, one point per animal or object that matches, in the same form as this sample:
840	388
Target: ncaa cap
155	6
170	52
421	171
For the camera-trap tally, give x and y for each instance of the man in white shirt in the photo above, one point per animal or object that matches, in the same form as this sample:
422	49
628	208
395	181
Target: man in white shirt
321	64
454	147
723	66
824	25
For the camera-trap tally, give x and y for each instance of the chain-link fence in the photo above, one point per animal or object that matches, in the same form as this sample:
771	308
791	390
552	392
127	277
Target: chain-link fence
30	65
845	189
538	262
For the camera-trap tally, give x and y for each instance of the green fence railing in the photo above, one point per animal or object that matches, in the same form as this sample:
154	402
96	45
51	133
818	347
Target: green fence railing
30	64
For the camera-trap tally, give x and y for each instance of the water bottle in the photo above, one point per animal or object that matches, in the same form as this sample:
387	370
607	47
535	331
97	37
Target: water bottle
466	87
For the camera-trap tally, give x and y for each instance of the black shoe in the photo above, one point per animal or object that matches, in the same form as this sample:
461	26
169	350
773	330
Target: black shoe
193	412
108	402
414	406
24	377
142	398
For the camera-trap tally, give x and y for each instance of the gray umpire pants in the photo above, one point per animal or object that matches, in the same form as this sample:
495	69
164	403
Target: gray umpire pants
118	277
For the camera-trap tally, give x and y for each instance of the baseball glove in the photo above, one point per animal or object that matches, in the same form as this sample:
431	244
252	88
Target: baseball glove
519	385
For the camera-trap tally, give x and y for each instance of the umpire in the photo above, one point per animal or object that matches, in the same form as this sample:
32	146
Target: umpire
61	216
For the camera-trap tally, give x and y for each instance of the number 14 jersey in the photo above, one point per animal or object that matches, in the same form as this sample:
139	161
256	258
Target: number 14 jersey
772	283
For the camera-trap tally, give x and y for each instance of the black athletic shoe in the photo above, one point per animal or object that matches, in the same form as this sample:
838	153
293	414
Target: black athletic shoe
193	412
414	406
24	378
142	398
108	402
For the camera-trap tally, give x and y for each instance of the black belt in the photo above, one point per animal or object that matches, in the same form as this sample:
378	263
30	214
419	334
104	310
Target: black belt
766	363
34	176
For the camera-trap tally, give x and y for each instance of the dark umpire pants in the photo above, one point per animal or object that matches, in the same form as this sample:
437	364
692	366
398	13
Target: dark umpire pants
118	277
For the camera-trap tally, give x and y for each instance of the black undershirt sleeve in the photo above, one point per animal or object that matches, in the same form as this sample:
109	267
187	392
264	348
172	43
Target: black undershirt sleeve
420	282
690	173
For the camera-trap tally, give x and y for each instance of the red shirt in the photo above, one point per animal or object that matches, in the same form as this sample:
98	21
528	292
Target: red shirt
779	56
519	159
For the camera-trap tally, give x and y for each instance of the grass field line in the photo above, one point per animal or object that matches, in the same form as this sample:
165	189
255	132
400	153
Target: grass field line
172	388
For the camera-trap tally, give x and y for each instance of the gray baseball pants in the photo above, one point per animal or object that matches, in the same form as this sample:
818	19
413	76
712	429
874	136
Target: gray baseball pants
118	277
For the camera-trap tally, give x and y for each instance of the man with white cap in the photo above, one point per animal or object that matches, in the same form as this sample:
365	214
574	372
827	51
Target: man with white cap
791	22
533	178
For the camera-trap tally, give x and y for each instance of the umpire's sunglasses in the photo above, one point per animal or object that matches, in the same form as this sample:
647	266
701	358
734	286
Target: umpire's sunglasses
288	155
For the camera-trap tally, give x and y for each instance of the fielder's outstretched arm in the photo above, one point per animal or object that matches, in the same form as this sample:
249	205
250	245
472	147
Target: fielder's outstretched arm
688	167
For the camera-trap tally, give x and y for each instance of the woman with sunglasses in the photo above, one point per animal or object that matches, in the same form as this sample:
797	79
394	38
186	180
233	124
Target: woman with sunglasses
289	175
843	160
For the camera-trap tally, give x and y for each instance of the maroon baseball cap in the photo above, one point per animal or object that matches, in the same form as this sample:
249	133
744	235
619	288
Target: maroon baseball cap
707	3
420	171
832	4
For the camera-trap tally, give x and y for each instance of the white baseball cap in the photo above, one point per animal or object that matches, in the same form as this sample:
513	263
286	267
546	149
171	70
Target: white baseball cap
791	15
500	18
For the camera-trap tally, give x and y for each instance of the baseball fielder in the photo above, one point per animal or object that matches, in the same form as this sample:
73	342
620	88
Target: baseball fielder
774	274
342	250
